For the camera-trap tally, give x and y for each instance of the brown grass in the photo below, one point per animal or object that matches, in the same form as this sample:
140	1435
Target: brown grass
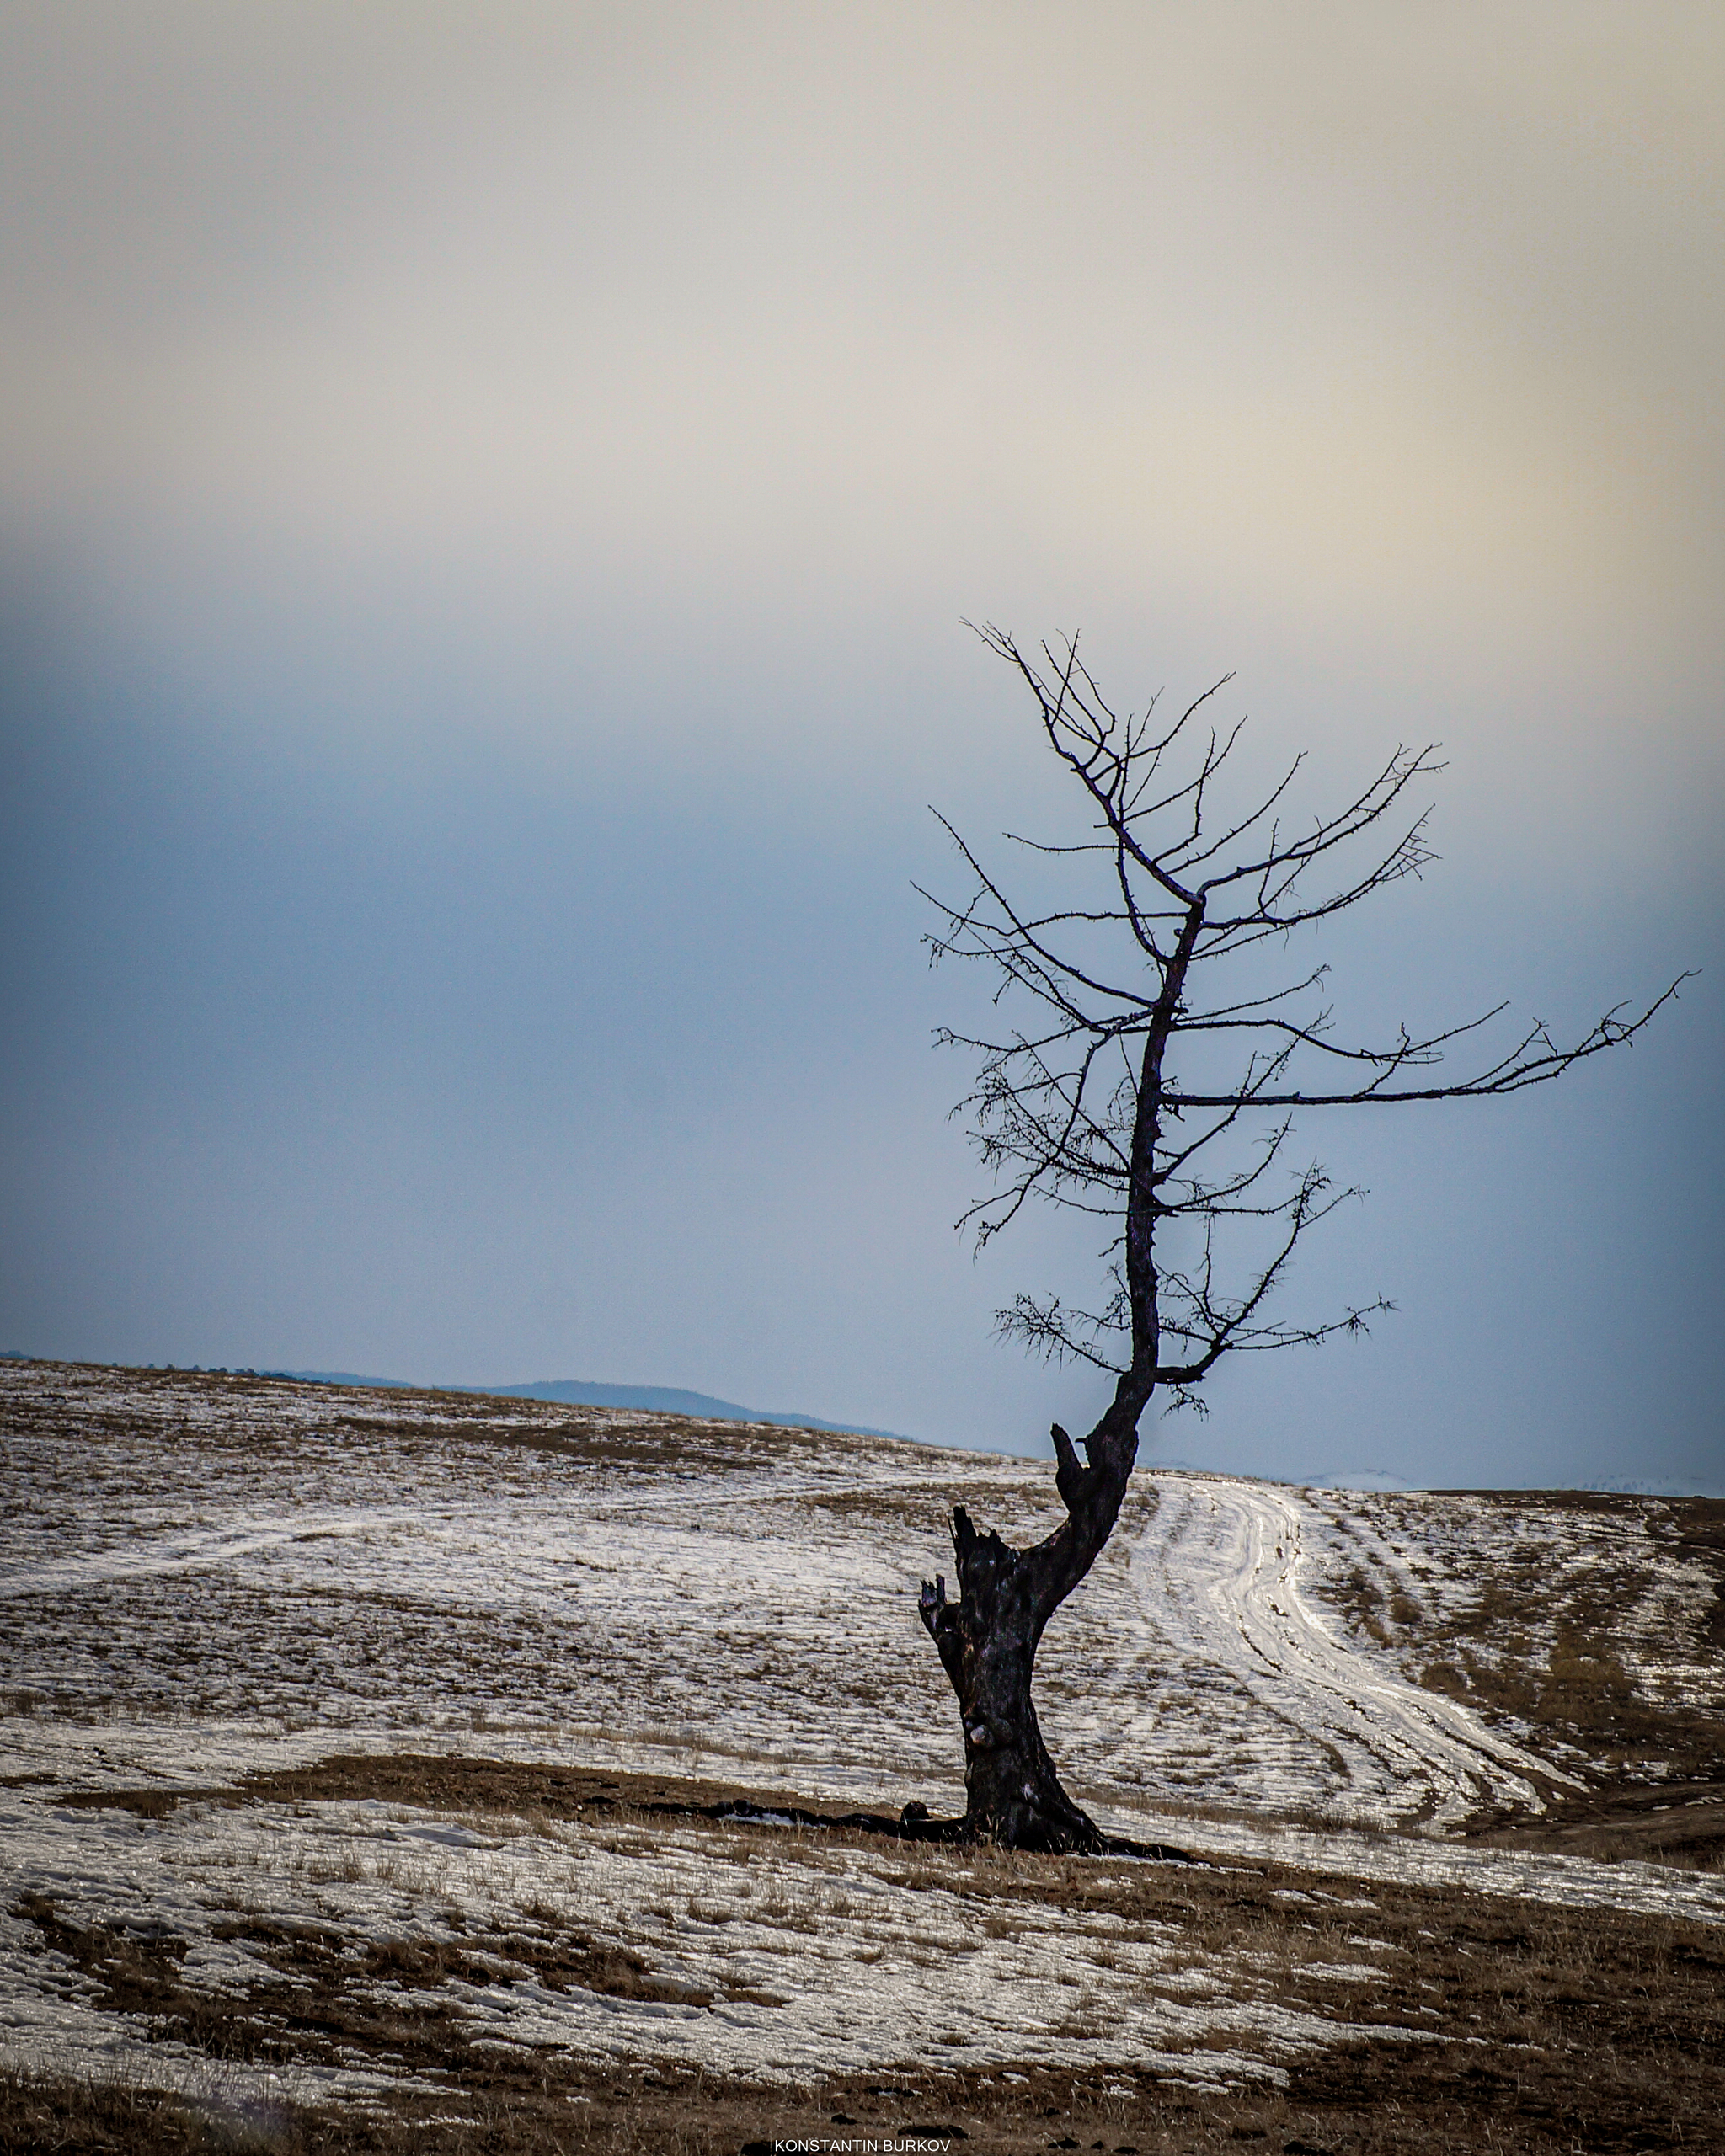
1536	1644
1550	2030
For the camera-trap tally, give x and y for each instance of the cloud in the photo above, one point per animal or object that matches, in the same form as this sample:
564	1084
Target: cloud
852	305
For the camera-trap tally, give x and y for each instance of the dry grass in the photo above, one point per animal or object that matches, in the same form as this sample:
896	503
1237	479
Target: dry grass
1547	2031
1538	1644
1541	2031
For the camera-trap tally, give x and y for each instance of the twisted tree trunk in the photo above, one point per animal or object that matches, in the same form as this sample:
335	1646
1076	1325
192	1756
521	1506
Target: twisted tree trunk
987	1642
1050	1118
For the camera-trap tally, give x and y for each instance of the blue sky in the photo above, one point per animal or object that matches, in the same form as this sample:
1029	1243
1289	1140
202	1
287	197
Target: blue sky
488	503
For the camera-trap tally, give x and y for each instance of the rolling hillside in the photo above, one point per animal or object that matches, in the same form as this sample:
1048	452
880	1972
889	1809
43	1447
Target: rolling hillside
378	1758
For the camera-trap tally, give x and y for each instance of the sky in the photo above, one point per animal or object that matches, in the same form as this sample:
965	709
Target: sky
489	500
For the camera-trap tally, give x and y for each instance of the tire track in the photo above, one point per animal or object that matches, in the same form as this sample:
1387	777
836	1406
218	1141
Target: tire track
1295	1717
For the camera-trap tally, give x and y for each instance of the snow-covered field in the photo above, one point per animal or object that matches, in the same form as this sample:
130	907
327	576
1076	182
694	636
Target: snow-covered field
204	1578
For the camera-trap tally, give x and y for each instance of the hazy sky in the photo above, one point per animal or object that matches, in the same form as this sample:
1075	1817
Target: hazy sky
486	500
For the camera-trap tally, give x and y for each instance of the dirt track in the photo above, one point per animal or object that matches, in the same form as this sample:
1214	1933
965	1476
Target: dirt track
433	1663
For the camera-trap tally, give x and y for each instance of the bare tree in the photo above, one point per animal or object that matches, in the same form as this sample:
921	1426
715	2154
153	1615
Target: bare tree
1165	952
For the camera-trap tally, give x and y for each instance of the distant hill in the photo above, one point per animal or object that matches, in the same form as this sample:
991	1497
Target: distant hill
1623	1486
578	1392
352	1377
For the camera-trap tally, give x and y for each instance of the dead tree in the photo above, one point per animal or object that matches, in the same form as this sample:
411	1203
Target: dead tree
1163	952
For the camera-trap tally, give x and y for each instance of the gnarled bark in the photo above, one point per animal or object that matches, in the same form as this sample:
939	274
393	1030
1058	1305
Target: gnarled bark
987	1642
1058	1118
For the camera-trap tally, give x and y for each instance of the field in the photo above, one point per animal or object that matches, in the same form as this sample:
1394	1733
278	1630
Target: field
391	1770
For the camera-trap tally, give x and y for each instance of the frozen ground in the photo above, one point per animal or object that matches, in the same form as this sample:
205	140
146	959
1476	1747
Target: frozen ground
776	1957
202	1578
191	1564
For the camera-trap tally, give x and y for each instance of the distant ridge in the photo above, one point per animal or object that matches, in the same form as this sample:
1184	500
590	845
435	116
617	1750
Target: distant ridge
1623	1486
577	1392
1356	1478
351	1377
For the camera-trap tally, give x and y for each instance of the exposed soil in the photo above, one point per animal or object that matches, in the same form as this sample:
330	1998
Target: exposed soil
1549	2030
221	1555
1539	1645
1671	1822
443	1781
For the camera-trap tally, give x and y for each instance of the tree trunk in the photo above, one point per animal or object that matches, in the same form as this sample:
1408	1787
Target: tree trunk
987	1642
